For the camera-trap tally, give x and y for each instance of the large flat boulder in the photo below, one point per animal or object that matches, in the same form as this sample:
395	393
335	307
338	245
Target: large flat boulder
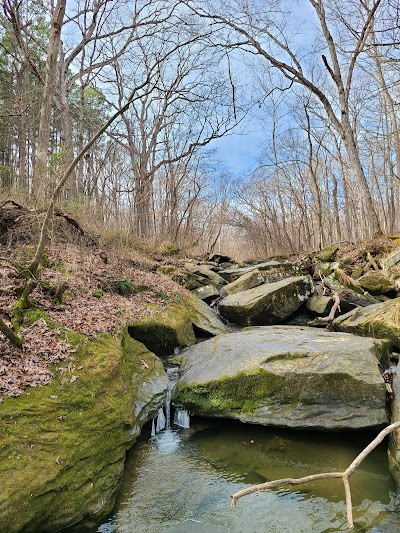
380	320
287	376
267	304
245	282
272	270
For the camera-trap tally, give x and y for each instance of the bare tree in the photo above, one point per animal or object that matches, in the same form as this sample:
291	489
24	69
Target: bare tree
250	27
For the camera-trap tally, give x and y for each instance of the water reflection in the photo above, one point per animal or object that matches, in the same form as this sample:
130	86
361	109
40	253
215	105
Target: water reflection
180	481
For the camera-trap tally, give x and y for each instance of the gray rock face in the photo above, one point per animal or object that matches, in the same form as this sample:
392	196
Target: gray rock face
204	318
287	376
271	269
247	281
319	304
205	271
267	304
207	293
394	442
381	320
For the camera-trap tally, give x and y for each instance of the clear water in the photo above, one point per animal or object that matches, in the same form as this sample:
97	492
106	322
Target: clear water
180	481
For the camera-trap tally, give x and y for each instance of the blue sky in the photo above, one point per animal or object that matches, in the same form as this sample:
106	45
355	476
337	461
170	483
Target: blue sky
239	152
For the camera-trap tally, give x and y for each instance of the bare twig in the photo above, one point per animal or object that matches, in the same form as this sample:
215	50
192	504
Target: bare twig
335	306
326	475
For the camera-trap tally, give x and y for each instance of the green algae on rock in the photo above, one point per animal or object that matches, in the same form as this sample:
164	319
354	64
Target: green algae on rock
63	445
327	254
381	321
287	376
166	329
375	282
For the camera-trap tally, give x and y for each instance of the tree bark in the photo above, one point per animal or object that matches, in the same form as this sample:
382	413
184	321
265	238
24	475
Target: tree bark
46	108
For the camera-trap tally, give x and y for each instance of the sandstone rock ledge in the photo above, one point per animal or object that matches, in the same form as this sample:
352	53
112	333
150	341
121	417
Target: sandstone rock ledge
289	377
63	445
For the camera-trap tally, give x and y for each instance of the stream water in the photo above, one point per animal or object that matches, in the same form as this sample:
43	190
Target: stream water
180	481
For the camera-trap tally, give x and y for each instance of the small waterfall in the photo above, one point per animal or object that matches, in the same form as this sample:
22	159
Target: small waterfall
173	376
163	421
182	418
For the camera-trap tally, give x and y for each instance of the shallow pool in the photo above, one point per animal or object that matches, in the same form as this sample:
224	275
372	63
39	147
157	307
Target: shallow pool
180	481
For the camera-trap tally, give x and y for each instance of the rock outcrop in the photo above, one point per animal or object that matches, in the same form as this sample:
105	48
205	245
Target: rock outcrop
245	282
63	445
287	376
379	320
267	304
176	325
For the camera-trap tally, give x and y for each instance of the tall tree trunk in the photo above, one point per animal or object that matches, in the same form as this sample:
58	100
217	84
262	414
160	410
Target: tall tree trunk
66	130
46	108
22	79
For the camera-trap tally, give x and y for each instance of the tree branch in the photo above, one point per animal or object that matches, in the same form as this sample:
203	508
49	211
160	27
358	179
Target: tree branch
326	475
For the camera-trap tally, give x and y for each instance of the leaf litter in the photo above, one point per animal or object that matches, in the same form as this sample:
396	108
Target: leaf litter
83	271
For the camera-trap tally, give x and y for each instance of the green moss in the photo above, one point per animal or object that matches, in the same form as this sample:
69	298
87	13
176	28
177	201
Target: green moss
168	249
63	445
98	293
328	254
249	390
33	315
164	331
241	392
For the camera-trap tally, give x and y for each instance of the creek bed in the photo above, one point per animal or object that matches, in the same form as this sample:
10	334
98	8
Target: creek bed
180	481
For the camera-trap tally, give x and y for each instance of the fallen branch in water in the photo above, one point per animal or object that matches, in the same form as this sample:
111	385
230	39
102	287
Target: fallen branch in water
326	475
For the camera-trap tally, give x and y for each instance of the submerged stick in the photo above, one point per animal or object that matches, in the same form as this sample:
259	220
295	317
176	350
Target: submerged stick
325	475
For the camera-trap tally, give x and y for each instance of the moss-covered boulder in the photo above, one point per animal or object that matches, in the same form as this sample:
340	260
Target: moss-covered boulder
381	321
176	326
324	269
63	445
375	283
349	292
267	304
327	254
287	376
